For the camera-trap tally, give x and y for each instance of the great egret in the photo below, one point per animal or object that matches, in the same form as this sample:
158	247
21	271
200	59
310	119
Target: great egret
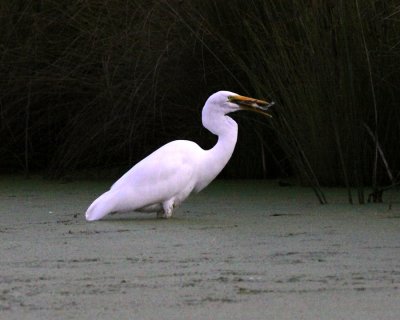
161	181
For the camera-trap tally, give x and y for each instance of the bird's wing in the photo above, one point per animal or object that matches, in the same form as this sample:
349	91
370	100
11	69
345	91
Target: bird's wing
164	173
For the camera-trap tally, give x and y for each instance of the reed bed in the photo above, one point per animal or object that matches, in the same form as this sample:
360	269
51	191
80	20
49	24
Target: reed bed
99	84
334	69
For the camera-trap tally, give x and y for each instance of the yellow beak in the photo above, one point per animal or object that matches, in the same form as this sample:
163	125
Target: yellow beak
251	104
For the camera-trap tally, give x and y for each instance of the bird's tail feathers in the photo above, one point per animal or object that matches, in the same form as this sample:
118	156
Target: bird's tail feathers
102	206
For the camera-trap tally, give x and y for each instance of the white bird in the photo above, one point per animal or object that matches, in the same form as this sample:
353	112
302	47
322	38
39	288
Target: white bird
165	178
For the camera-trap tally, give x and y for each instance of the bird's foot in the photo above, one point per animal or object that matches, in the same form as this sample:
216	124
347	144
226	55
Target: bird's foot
164	215
161	215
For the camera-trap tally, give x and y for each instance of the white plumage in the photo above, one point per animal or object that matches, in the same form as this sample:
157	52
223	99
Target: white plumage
161	181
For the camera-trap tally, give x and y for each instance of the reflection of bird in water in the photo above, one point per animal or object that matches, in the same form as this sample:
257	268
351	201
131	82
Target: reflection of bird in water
165	178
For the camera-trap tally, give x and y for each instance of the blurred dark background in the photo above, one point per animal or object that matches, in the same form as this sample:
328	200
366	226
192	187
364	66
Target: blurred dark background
93	86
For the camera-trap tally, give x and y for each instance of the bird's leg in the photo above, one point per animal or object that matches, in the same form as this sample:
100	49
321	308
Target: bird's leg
168	209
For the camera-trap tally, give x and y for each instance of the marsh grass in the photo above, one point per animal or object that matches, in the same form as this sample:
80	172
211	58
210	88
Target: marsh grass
98	84
95	84
85	76
334	68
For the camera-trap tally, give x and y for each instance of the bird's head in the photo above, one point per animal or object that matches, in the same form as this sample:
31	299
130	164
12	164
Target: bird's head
226	102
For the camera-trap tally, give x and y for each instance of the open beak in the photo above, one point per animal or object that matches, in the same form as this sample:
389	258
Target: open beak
251	104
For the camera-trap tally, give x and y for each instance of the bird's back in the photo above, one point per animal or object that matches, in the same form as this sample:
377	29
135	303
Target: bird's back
170	166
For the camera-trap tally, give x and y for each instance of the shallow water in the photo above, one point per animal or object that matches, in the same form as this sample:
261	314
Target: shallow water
238	250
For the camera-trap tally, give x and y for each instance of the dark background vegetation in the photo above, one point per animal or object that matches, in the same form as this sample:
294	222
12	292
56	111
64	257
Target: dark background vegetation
88	85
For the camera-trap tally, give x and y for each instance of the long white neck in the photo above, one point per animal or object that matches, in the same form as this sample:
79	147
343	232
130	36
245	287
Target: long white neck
217	157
